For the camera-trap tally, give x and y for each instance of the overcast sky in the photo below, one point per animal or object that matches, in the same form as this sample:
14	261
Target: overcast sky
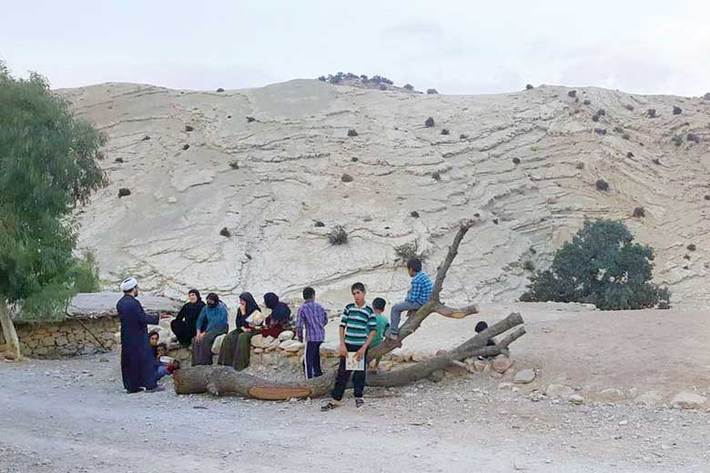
458	47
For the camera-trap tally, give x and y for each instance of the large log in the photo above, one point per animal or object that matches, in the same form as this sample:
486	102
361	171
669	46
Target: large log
223	380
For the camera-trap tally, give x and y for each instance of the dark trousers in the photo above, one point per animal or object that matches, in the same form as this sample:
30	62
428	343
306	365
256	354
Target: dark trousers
312	360
341	381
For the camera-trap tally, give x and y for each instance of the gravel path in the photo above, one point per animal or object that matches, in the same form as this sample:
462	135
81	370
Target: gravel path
72	416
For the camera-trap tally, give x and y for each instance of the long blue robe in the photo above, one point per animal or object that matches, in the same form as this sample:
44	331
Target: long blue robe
137	359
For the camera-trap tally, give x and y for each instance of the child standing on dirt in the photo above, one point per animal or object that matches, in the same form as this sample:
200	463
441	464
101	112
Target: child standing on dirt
418	295
311	319
378	307
358	327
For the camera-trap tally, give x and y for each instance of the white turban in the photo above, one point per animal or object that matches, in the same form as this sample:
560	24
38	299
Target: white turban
128	284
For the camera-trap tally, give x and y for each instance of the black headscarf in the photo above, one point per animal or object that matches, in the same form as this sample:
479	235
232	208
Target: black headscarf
190	311
280	312
250	307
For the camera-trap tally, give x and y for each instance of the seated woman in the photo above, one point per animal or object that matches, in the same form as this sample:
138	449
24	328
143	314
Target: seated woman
236	346
185	324
280	316
211	323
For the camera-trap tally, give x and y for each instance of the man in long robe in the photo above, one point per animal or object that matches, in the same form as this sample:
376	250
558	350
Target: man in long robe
137	360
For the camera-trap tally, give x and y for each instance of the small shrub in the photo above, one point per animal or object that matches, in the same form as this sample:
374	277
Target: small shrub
587	102
352	133
408	86
185	147
429	122
595	118
691	247
436	176
123	192
145	138
229	116
407	251
495	221
322	78
353	159
225	232
629	107
686	257
572	93
677	140
629	154
414	214
431	91
516	161
234	164
118	160
346	178
530	87
626	136
694	138
189	128
220	89
444	131
600	131
601	112
651	113
383	87
251	119
463	136
639	212
529	266
318	224
602	185
707	197
338	235
579	165
677	110
618	129
656	161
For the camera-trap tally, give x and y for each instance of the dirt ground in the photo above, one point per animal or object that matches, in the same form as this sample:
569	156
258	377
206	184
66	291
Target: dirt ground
73	416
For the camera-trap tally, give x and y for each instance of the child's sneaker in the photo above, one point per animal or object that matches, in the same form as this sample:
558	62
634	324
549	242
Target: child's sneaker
330	405
359	402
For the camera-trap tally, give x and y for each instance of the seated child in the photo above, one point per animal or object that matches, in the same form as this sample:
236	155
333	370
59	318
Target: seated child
418	295
163	368
480	327
378	307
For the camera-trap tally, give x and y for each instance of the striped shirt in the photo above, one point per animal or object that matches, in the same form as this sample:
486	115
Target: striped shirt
421	289
358	323
312	317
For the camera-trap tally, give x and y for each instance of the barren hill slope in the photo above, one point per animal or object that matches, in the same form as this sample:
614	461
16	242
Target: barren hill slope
526	161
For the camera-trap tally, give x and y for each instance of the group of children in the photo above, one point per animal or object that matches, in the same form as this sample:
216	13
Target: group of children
362	327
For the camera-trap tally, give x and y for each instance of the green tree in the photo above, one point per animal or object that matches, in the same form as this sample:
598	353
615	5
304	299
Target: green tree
48	165
602	266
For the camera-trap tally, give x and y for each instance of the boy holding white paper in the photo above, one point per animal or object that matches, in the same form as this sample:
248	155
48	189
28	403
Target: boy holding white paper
357	329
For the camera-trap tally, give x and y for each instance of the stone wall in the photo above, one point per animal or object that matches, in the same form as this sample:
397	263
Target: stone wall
68	337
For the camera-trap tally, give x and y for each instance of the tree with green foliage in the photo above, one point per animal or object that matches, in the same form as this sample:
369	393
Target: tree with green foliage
602	266
48	165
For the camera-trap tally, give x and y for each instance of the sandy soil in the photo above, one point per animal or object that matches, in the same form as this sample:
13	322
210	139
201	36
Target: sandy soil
72	415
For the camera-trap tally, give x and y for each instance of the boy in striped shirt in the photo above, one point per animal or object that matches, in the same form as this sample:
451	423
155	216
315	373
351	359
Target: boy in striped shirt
357	329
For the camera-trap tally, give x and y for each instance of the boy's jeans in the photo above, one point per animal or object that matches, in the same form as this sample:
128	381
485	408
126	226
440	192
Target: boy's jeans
341	381
396	313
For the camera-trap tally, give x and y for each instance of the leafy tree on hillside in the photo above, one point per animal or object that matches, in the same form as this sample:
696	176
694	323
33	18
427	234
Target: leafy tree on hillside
47	166
602	266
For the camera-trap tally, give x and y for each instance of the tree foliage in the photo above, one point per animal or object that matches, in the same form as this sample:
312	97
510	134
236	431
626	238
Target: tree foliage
602	266
48	165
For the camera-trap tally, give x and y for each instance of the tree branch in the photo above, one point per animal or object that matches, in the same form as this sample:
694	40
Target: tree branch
441	271
453	313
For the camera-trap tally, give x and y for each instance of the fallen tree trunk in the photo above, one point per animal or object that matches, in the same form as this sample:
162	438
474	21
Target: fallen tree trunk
222	380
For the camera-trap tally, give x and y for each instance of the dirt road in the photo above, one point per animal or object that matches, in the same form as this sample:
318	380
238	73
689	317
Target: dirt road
73	416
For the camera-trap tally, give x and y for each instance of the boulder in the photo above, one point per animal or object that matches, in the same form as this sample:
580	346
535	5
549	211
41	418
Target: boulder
611	395
525	376
501	364
294	347
257	341
649	399
576	399
559	391
286	335
688	400
217	344
287	343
